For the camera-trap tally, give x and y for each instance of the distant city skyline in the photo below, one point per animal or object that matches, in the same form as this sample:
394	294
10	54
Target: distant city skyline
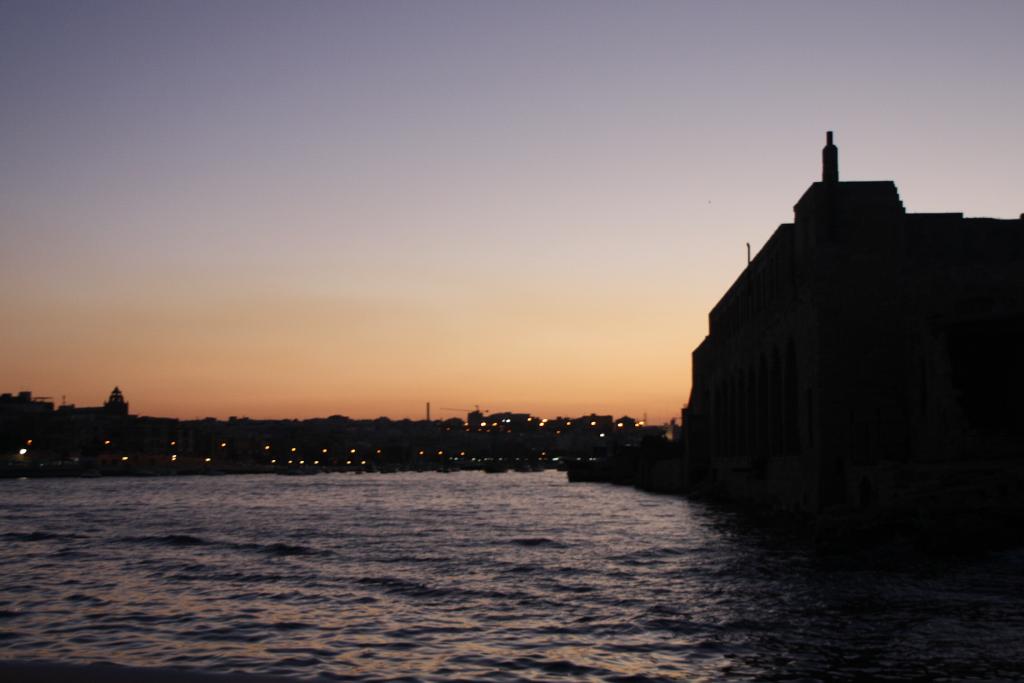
116	402
302	209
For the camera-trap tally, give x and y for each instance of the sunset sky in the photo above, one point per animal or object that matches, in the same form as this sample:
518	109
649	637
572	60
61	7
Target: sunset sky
297	209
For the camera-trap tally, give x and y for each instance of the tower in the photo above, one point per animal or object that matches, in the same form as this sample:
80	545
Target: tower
829	161
116	403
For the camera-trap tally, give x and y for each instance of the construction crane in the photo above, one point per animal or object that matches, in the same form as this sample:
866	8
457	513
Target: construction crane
461	410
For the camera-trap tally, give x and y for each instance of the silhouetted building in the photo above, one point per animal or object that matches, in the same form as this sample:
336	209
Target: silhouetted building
23	403
37	440
116	405
866	356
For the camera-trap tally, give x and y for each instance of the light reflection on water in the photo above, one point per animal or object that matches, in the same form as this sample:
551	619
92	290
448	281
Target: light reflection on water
471	576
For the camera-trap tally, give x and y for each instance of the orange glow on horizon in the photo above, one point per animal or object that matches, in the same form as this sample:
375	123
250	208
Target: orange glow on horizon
303	366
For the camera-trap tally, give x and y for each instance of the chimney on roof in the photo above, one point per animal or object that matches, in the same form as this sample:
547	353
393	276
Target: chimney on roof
829	161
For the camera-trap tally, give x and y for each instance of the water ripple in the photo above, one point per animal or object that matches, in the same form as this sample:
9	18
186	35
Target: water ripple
473	577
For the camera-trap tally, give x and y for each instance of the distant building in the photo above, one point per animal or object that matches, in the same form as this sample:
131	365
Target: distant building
866	355
38	440
23	403
116	405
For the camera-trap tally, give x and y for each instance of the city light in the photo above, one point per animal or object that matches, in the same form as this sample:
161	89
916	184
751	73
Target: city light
22	451
293	449
208	460
124	458
106	442
174	443
266	448
223	444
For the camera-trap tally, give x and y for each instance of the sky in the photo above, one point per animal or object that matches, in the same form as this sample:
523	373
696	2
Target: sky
299	209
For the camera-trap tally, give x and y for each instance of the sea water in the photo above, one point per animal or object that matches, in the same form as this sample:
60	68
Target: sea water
475	576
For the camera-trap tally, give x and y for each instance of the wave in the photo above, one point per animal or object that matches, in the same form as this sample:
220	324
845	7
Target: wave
395	585
32	536
176	540
279	549
53	671
531	542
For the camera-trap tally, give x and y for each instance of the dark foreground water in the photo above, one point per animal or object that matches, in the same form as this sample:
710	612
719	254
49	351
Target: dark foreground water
473	576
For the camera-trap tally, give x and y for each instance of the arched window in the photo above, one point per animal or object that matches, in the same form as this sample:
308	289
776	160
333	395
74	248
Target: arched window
778	428
764	423
791	402
750	411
